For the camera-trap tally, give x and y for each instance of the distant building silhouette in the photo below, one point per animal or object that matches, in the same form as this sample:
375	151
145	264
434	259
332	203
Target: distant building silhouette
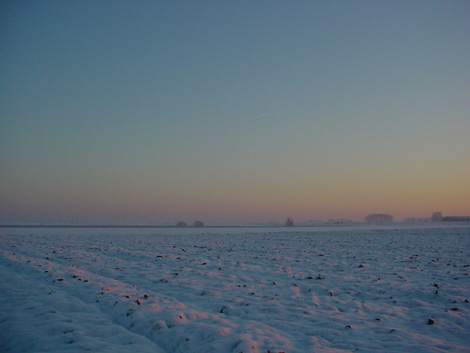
436	217
379	218
181	224
456	219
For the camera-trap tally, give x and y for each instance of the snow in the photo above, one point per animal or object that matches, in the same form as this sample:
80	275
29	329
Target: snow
393	289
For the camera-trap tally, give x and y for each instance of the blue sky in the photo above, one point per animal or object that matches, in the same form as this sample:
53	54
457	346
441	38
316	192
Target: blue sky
233	111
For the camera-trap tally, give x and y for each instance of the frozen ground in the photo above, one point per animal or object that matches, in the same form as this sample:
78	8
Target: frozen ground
312	290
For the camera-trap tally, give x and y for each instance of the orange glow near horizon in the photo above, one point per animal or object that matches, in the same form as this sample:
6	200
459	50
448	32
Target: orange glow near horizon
306	114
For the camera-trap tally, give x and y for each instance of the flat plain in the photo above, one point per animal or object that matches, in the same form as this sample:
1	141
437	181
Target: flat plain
352	289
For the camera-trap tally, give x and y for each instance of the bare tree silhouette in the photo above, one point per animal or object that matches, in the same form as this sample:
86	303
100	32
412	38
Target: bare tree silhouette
289	222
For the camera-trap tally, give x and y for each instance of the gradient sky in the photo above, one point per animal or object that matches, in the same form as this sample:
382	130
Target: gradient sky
233	112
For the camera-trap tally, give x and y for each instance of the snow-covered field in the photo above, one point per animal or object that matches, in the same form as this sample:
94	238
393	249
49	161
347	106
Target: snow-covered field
306	290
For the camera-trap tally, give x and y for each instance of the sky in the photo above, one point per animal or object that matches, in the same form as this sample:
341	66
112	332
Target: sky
233	112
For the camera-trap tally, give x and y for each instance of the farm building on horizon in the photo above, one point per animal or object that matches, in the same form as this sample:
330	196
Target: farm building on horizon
456	219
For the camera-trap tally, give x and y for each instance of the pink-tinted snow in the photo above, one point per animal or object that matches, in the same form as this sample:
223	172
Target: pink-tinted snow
343	290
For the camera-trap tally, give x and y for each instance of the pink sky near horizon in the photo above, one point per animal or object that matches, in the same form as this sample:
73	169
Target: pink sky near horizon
233	112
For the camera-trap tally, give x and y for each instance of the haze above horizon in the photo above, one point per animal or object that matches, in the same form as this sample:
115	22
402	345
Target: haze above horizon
233	112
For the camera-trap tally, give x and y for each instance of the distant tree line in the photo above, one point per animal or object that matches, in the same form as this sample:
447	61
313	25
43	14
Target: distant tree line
182	224
379	218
